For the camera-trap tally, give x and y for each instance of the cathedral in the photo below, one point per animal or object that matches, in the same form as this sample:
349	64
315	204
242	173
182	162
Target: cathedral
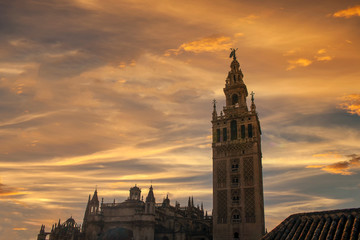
135	219
238	205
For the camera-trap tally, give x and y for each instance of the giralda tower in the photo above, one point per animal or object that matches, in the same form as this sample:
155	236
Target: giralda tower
238	211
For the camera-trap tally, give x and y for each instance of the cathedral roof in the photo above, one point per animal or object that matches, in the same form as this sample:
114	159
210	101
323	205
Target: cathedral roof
341	224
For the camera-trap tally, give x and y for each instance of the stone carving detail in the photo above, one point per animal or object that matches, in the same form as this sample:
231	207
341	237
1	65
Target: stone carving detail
222	206
248	171
233	148
249	205
221	173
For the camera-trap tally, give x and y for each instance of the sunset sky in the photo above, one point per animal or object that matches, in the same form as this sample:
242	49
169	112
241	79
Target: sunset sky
112	93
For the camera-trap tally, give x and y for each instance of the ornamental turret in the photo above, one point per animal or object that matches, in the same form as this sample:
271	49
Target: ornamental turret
150	202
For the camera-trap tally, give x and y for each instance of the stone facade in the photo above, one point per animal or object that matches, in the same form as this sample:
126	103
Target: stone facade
135	219
238	205
147	220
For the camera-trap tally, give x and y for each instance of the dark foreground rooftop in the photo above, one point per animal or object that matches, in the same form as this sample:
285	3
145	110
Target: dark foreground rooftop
341	224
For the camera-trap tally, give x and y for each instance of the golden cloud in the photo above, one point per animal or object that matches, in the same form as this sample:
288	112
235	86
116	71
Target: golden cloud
323	58
6	192
209	44
304	62
351	103
342	168
301	62
347	13
20	229
321	51
328	155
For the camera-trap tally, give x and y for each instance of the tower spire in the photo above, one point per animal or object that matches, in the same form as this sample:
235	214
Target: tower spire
253	107
214	114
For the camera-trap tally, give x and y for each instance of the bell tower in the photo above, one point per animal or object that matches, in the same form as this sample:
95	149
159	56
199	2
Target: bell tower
237	169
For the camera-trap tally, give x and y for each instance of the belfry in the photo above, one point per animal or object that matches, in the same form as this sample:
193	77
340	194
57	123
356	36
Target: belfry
238	204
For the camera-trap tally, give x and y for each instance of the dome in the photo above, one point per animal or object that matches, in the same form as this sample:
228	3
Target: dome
70	220
136	188
117	234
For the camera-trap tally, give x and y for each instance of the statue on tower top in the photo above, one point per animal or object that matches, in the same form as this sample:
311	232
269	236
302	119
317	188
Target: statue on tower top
233	53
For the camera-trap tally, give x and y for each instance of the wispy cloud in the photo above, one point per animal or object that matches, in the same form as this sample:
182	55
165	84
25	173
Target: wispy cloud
328	155
208	44
300	62
7	192
351	103
343	167
349	12
320	56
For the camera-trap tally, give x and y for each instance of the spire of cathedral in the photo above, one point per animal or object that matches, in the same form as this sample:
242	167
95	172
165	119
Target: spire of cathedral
150	197
95	198
214	110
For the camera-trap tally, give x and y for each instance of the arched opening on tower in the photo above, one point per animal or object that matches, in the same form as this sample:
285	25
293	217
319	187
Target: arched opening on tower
236	235
236	217
235	99
233	126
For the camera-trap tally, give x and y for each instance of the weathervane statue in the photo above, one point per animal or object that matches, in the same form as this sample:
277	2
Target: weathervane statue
232	54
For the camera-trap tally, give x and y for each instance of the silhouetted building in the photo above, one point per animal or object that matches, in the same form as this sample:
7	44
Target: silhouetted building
69	230
135	219
145	220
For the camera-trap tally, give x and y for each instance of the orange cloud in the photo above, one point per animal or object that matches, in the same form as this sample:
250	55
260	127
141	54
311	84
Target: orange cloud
209	44
347	13
342	168
304	62
323	58
351	103
20	229
7	192
301	62
328	155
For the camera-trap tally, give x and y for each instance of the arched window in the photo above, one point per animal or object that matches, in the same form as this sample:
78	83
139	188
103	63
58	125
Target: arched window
236	235
234	79
224	134
236	216
233	126
235	99
217	135
250	131
242	131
